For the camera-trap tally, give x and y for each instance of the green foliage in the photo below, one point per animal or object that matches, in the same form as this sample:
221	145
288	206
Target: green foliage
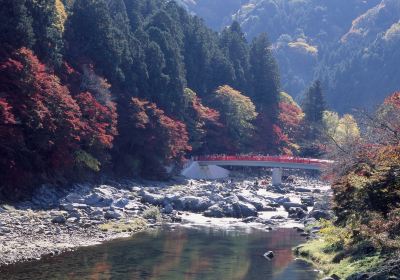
153	212
15	25
237	113
87	160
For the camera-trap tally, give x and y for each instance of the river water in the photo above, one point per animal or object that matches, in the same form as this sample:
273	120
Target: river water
174	254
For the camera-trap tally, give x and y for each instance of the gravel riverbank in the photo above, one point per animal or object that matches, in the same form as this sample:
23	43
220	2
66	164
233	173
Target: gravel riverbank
55	221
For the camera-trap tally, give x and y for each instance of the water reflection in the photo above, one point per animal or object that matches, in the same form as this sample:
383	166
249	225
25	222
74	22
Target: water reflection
187	254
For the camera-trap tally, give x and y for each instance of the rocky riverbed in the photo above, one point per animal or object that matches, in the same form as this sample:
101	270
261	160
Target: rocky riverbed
55	220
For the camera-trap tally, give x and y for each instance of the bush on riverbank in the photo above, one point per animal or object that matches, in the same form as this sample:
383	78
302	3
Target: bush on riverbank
365	237
335	253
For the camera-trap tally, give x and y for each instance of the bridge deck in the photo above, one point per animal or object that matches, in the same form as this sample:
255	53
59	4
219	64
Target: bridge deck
263	161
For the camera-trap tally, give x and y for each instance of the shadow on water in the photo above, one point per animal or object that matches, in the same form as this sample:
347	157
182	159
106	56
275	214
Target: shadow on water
183	253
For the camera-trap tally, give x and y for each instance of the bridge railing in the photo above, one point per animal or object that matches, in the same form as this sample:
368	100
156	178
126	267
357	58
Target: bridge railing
283	159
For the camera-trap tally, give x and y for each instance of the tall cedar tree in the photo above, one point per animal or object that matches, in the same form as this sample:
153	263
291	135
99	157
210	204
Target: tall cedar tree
265	94
15	25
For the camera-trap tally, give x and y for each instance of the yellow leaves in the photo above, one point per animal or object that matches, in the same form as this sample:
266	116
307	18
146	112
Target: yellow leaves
303	46
237	101
342	130
347	129
61	16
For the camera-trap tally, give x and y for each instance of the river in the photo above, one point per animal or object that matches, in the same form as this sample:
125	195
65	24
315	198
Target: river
173	254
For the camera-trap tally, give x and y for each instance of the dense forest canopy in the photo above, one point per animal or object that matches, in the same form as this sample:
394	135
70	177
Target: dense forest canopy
130	88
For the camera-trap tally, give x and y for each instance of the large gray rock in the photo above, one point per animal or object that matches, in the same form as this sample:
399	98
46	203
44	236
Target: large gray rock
288	205
154	199
132	205
242	209
60	219
120	203
281	200
214	211
195	204
297	213
98	199
257	202
308	201
111	214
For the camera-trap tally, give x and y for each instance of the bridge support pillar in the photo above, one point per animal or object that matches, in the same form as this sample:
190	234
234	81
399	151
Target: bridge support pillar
276	176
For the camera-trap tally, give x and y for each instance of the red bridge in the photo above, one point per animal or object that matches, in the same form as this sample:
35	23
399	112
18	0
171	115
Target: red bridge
209	166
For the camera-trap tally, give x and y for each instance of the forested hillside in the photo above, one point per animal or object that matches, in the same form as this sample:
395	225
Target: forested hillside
130	88
344	43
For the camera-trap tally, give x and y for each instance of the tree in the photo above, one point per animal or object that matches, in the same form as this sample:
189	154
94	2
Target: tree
314	104
237	113
290	120
265	77
15	25
366	185
48	26
47	119
265	94
233	43
92	33
149	141
200	121
54	133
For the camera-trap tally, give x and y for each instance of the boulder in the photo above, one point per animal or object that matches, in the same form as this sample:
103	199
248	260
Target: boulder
288	205
308	201
297	213
242	209
120	203
154	199
60	219
168	209
258	203
195	204
320	214
111	214
280	200
75	213
96	215
132	205
98	200
214	211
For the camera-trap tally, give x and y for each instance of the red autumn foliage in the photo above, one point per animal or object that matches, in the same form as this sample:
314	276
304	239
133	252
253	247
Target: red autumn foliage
202	124
290	117
393	100
150	138
99	120
165	136
42	125
6	116
270	138
204	113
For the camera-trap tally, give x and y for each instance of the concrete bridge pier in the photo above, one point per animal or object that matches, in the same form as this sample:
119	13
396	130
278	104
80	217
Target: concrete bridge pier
276	176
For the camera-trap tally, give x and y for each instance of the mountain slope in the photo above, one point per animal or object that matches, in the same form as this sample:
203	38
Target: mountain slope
349	44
